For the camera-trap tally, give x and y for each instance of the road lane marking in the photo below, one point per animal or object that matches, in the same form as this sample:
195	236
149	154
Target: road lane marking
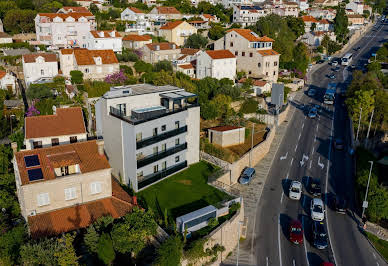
311	163
312	151
304	240
317	127
322	165
283	157
300	134
296	147
292	159
374	255
293	262
266	259
302	125
303	158
280	249
315	137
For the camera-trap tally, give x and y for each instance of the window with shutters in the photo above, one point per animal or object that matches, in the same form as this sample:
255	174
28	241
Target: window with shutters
43	199
70	193
95	188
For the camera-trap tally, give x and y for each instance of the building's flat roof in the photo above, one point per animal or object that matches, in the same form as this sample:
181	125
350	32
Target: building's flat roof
178	95
195	214
138	89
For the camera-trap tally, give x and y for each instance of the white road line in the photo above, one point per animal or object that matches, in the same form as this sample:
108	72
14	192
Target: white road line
374	255
317	127
300	134
296	147
312	151
304	239
302	125
293	262
377	263
280	249
292	159
281	198
266	260
315	138
311	163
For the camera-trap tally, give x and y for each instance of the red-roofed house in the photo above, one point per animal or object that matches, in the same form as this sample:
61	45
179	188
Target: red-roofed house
7	81
73	9
258	86
105	39
134	41
217	64
226	136
177	31
255	55
308	22
39	65
94	64
165	12
67	187
65	126
187	69
132	14
155	52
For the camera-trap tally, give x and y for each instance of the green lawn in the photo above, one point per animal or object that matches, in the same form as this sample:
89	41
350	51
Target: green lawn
183	192
380	245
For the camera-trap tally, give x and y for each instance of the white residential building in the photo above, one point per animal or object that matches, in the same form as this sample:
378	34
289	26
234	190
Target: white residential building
65	126
64	30
134	41
318	13
217	64
247	15
164	13
357	7
7	81
149	132
5	38
303	5
132	14
105	39
40	65
230	3
1	26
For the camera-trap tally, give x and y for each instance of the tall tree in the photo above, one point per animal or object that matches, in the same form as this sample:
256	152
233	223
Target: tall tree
296	25
17	20
196	41
65	252
6	6
170	252
341	25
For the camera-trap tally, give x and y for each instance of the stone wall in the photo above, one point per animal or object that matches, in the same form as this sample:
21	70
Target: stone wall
268	118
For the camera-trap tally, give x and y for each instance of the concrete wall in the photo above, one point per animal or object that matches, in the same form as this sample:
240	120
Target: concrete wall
227	138
270	119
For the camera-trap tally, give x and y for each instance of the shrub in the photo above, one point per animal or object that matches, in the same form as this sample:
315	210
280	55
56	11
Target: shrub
105	250
127	56
195	250
127	70
77	77
249	106
170	252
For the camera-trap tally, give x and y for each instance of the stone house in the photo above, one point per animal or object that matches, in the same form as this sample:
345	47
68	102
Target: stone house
165	12
134	41
155	52
39	65
5	38
177	31
7	81
356	21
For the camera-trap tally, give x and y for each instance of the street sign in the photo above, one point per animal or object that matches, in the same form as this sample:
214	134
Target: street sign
365	204
277	94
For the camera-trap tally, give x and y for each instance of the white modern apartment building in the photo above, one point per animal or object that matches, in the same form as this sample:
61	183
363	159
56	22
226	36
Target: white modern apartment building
150	132
230	3
105	39
247	15
217	64
64	30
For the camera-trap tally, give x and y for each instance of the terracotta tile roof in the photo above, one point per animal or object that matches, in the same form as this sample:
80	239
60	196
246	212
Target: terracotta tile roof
96	33
197	22
267	52
69	88
86	57
137	38
189	51
2	74
265	39
182	57
4	35
186	66
171	25
80	216
309	19
67	51
224	128
76	9
136	10
324	21
220	54
67	121
167	10
208	16
85	153
162	46
76	16
30	58
247	34
256	82
355	16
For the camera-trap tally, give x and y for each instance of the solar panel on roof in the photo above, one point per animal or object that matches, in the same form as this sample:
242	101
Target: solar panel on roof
35	174
31	160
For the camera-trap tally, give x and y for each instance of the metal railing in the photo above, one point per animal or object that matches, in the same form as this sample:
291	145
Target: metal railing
154	139
149	179
160	155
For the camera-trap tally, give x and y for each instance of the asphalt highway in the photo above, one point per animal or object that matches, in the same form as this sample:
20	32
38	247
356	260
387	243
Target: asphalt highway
307	151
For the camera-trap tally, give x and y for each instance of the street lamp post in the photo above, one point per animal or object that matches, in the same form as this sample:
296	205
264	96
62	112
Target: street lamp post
359	122
367	188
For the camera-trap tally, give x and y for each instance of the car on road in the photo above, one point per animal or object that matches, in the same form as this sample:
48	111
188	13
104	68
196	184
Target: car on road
313	113
339	144
295	191
247	175
358	48
311	92
331	76
296	232
340	204
317	210
352	67
336	69
320	61
314	187
319	235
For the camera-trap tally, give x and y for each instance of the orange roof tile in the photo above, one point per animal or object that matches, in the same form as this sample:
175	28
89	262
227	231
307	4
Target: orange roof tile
66	51
267	52
66	121
324	21
256	82
2	74
189	51
171	25
80	216
208	16
197	22
86	57
220	54
247	34
4	35
96	33
355	16
265	39
136	10
137	38
309	19
76	16
30	58
85	153
186	66
167	10
76	9
224	128
162	46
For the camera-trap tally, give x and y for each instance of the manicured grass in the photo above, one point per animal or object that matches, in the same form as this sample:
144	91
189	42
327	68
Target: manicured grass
380	245
184	192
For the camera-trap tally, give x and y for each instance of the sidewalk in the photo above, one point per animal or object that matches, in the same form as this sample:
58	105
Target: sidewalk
252	193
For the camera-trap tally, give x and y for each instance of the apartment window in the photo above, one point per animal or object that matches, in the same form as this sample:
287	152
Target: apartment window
274	73
164	146
259	65
42	72
164	128
86	70
70	193
95	188
177	159
65	170
139	136
37	144
156	168
236	53
54	141
250	72
73	139
176	124
231	44
242	53
176	141
155	131
275	63
164	165
250	54
123	108
155	150
266	73
43	199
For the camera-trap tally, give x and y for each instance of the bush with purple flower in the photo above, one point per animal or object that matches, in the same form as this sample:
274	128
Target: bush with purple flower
32	111
117	78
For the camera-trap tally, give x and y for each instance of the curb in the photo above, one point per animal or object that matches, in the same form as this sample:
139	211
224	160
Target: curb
378	252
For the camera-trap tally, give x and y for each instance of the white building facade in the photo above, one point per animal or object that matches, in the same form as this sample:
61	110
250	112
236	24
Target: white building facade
104	39
41	65
217	64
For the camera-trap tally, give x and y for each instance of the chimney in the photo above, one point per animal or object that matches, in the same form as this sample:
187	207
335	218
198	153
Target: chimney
173	46
54	110
157	47
14	147
101	34
100	147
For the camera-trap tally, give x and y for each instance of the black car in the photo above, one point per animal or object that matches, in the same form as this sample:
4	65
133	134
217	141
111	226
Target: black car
339	144
336	69
320	61
358	48
319	235
315	187
340	204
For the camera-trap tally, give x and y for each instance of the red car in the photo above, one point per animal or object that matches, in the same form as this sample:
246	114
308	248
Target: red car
327	264
296	232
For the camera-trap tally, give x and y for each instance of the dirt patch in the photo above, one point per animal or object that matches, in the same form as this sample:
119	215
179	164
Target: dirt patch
185	182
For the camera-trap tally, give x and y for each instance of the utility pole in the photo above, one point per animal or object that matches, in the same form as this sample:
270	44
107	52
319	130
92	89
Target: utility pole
370	122
250	157
364	206
359	122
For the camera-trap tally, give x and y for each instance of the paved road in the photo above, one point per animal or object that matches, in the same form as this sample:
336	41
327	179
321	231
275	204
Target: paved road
306	151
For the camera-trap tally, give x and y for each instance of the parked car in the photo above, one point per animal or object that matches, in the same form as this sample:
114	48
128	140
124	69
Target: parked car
319	235
296	232
336	69
295	190
311	92
340	204
339	144
247	175
320	61
314	187
332	76
313	113
334	63
358	48
317	210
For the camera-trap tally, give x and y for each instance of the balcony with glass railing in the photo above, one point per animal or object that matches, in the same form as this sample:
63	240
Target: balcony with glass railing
152	178
141	162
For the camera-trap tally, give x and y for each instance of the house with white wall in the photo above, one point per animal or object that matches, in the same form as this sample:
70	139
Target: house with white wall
105	39
217	64
177	31
5	38
155	52
39	65
64	126
247	15
132	14
7	81
230	3
134	41
165	13
150	132
357	7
